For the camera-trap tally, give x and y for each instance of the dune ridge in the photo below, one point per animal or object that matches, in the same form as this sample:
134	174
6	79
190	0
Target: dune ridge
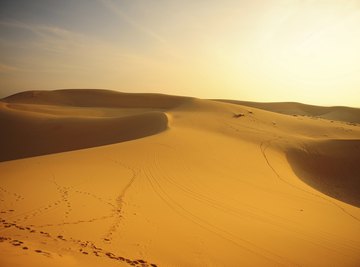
95	98
174	181
42	122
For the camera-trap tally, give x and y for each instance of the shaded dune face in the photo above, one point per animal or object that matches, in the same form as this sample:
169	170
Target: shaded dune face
332	167
41	136
60	127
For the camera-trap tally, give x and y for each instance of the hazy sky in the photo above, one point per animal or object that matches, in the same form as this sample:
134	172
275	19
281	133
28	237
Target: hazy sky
258	50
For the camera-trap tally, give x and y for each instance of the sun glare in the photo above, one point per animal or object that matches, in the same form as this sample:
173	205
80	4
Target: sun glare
303	51
309	51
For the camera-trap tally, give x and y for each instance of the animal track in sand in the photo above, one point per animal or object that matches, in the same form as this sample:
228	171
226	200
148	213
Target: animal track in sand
76	222
64	195
21	244
6	211
86	248
64	192
24	216
95	197
118	209
17	197
64	199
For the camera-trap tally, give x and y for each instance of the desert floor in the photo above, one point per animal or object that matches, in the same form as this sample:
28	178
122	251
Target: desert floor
98	178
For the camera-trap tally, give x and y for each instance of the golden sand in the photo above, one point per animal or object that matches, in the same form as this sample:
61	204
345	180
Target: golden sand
99	178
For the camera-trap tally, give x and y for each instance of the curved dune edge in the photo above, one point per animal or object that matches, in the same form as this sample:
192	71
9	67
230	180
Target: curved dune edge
37	123
332	167
28	136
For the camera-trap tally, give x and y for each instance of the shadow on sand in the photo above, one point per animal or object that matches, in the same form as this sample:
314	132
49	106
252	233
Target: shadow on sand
332	167
36	137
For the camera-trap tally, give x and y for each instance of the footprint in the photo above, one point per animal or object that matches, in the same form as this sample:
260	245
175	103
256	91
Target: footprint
16	242
44	253
2	239
96	251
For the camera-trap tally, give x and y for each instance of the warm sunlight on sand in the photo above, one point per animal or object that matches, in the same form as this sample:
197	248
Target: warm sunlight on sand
100	178
179	133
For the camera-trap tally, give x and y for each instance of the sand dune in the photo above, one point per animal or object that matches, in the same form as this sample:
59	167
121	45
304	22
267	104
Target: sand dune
155	180
26	136
39	122
347	114
330	166
95	98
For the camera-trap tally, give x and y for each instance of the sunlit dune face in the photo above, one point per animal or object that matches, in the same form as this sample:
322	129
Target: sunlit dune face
305	51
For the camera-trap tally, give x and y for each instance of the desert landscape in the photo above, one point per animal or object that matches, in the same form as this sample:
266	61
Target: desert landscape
103	178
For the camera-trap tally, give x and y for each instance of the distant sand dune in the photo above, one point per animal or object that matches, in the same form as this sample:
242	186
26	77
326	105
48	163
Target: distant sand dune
95	98
347	114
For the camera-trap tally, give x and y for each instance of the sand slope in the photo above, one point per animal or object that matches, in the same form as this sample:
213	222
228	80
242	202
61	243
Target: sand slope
331	166
35	123
201	188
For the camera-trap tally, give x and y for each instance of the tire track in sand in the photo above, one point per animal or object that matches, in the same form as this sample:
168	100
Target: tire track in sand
264	145
185	213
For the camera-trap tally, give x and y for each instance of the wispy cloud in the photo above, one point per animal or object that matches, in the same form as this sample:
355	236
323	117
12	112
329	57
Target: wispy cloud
4	68
46	37
113	7
40	30
61	40
55	49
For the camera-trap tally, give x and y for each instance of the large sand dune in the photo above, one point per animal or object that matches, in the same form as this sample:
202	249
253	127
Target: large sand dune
156	180
39	122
